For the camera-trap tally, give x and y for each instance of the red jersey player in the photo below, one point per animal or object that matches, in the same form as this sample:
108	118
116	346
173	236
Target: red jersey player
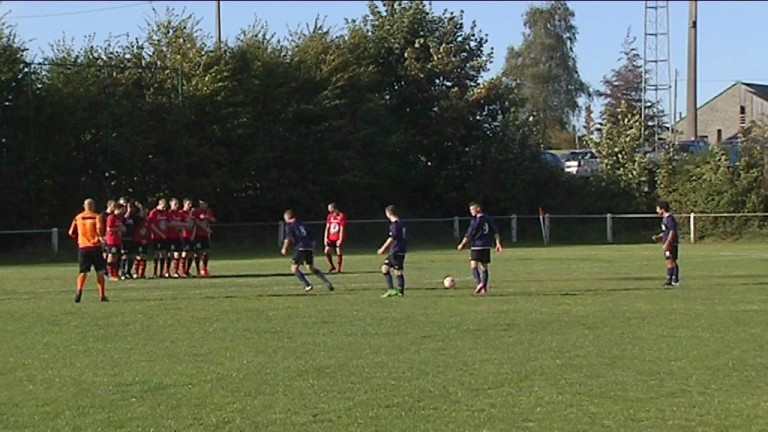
176	223
114	241
334	236
158	226
141	237
203	218
187	235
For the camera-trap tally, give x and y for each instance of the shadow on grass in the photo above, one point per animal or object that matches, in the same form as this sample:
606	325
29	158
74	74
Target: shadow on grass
249	275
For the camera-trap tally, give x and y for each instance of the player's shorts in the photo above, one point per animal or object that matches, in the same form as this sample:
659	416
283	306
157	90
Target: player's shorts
127	247
188	245
114	249
303	256
201	243
395	261
333	243
482	256
672	253
140	249
160	245
175	245
91	257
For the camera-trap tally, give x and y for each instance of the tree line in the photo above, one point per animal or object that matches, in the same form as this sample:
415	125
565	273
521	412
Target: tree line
394	107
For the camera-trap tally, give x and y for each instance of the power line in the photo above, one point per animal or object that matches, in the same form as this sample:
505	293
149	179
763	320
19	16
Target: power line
80	12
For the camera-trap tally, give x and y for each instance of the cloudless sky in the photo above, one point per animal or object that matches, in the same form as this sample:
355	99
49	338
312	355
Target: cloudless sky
731	33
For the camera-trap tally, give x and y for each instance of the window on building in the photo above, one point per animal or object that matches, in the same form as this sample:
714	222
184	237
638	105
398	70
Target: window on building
719	136
742	115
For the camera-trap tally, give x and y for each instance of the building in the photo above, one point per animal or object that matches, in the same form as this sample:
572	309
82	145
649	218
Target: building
724	115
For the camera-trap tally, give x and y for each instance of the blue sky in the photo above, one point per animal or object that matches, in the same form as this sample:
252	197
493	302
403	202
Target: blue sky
731	33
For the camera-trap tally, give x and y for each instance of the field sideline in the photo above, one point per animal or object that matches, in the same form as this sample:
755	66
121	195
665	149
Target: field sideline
579	338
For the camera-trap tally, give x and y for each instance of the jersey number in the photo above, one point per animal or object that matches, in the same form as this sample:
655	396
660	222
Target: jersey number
485	228
302	231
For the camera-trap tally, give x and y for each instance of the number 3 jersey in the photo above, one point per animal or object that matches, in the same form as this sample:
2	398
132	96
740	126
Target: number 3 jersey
299	235
482	232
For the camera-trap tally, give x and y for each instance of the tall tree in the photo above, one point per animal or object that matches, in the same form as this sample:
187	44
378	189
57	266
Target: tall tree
545	67
623	86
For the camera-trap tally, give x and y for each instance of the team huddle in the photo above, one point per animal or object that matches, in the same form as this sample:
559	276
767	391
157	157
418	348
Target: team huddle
180	236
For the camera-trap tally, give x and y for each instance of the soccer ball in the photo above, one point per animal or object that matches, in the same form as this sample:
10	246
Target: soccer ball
449	282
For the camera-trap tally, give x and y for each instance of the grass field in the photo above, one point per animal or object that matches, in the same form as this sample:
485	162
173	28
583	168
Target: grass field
568	339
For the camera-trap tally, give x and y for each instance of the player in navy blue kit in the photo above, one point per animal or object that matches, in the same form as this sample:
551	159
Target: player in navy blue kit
396	245
296	233
671	241
482	236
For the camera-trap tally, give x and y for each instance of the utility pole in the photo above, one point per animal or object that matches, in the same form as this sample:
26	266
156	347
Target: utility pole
218	24
675	118
691	121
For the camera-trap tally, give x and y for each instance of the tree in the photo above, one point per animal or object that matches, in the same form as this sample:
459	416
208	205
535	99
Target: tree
545	67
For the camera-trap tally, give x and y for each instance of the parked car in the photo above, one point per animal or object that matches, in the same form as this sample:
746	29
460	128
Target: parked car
684	147
581	162
551	159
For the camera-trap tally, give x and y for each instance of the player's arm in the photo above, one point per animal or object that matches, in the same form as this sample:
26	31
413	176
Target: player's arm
385	247
342	227
286	245
325	233
211	217
73	229
470	233
156	230
671	238
497	237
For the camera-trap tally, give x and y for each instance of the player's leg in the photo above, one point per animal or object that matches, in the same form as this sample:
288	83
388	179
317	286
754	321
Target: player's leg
485	261
206	255
187	256
199	249
158	256
339	258
84	264
329	257
298	259
386	270
309	259
676	265
128	257
176	246
112	262
473	266
100	267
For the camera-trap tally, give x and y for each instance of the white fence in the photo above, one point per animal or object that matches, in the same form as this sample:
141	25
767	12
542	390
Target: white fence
514	228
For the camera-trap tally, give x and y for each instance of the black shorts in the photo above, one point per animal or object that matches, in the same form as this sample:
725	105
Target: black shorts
672	253
160	245
113	249
128	247
140	249
395	261
201	243
175	245
304	257
91	257
187	245
483	256
333	243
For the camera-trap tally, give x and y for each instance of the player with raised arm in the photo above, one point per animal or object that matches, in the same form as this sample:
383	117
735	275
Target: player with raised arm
670	242
396	246
88	229
333	239
158	226
114	241
203	217
481	236
298	235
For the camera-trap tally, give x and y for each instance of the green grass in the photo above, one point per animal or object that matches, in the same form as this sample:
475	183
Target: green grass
569	339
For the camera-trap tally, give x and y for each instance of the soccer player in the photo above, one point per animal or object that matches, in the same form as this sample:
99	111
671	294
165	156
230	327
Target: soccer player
334	236
104	215
131	219
481	236
187	236
87	227
670	242
141	238
176	222
397	247
297	234
203	217
114	241
158	226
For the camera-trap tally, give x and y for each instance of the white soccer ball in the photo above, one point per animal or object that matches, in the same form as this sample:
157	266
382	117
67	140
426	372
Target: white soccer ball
449	282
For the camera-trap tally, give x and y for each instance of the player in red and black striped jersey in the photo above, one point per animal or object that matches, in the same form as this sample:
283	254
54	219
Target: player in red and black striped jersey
158	225
203	218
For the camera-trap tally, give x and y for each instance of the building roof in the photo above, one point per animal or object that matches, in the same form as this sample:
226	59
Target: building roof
759	90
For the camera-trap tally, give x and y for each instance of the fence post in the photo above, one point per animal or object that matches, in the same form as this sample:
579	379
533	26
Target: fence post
513	227
609	227
546	228
280	234
456	228
55	240
693	227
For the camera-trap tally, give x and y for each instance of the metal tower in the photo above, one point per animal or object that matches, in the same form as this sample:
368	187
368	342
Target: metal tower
657	80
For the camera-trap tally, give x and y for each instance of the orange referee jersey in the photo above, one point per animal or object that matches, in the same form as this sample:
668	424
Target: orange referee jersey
88	228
